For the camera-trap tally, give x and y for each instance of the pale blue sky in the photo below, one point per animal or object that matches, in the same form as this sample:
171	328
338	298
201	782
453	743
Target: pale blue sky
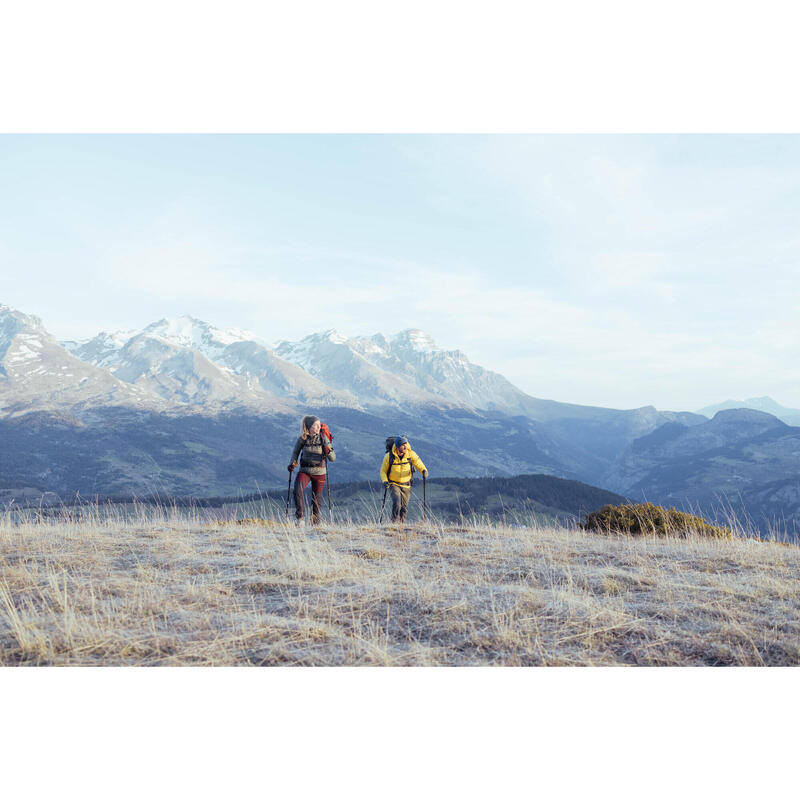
612	270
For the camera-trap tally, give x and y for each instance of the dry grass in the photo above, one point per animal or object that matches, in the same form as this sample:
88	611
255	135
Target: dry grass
173	591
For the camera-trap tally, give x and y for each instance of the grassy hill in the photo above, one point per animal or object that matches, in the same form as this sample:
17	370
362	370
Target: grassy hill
178	589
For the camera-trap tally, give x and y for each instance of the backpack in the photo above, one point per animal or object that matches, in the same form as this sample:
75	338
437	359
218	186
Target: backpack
323	428
389	446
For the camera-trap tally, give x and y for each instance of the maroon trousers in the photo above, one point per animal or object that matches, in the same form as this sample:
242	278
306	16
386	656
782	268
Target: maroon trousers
317	484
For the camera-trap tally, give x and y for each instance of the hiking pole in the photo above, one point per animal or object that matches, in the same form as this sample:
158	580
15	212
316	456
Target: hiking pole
328	481
288	494
385	489
424	497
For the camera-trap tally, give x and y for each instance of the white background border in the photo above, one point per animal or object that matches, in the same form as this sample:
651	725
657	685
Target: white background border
412	67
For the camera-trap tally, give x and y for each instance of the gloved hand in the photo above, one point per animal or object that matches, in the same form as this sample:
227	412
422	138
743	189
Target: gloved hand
291	467
325	449
425	473
386	484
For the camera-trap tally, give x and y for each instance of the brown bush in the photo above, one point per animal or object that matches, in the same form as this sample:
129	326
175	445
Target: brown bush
641	519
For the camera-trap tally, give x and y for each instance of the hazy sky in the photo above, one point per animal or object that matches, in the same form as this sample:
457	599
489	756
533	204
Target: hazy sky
607	270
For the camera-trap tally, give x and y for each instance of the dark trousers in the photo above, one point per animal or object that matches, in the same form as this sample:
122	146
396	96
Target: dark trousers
317	484
400	497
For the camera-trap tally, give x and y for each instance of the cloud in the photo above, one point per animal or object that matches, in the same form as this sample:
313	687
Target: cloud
373	294
185	274
639	270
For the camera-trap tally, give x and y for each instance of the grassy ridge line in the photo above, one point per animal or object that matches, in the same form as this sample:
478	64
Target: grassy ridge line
163	589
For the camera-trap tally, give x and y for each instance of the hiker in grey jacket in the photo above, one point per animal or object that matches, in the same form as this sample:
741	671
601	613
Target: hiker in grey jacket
313	448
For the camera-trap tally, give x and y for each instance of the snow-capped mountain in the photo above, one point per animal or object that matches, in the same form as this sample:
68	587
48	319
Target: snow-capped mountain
410	370
185	363
170	358
195	334
179	333
186	360
407	369
448	374
280	377
350	365
36	372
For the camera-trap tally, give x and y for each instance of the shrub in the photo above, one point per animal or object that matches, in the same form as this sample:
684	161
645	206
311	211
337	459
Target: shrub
640	519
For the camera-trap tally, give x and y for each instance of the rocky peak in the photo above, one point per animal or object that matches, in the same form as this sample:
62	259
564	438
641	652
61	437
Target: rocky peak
23	331
413	339
186	331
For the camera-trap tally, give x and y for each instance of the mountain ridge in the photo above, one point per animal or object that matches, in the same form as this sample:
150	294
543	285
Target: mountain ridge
36	372
791	416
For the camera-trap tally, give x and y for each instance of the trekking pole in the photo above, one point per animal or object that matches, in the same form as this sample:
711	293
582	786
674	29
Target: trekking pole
328	481
288	494
425	497
385	489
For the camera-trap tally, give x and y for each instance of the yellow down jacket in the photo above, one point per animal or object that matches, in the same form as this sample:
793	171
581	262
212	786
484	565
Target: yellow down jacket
401	466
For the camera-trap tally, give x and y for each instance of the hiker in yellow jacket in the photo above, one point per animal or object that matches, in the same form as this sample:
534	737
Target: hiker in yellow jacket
396	474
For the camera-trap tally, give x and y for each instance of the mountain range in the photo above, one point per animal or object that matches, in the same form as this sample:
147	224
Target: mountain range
185	408
791	416
743	461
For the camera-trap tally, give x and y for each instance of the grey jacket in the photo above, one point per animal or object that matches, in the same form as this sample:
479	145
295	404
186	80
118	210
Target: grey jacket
312	459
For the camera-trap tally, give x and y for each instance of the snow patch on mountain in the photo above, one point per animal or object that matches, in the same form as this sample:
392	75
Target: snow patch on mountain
406	369
187	331
355	366
11	324
415	340
38	373
178	332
